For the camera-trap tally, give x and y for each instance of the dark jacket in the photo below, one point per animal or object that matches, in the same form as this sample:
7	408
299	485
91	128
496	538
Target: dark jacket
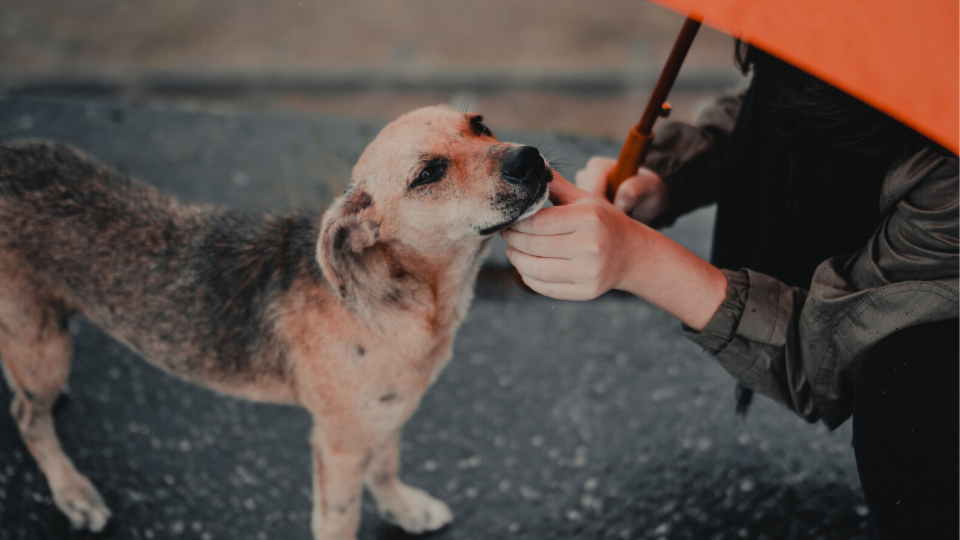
801	344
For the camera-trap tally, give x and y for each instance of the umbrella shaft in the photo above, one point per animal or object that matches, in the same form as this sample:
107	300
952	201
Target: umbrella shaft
638	140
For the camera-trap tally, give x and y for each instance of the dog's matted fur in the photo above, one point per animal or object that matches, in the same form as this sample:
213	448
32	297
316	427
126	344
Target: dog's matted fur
350	314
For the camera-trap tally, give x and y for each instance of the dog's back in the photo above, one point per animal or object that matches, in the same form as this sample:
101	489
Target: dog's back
188	286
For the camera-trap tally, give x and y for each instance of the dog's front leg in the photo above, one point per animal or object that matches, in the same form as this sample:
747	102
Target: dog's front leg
410	508
338	472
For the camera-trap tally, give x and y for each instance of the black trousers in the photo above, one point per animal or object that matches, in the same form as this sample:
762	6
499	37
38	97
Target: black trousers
905	432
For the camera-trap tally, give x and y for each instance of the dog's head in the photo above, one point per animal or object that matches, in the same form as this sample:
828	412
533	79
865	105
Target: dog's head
432	181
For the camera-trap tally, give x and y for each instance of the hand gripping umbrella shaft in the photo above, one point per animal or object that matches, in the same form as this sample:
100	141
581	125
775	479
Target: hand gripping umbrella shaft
638	140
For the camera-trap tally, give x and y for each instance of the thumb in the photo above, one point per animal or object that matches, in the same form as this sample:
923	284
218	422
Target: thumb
563	192
642	197
630	191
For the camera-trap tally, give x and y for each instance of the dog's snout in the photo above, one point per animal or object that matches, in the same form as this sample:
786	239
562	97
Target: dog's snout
524	167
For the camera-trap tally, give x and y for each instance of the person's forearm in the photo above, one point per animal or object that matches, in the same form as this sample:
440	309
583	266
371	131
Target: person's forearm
672	278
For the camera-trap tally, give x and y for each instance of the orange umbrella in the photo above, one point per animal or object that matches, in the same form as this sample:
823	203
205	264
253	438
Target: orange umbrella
897	56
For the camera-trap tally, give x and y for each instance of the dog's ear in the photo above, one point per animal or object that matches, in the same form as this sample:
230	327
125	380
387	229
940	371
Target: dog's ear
350	227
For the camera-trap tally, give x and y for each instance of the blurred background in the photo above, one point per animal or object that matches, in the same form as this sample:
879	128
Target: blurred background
572	66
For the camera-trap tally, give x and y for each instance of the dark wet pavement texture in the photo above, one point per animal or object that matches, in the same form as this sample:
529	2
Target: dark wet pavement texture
554	419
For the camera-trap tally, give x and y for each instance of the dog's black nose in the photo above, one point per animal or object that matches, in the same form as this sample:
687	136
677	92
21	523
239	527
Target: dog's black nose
524	167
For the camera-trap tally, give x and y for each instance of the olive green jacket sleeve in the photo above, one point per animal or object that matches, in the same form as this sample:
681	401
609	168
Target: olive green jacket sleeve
802	347
688	157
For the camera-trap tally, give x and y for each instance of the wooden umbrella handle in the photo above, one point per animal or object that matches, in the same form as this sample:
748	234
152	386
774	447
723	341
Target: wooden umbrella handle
638	140
631	157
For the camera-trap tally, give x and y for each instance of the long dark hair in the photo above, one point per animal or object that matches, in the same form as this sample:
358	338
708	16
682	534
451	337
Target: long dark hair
816	108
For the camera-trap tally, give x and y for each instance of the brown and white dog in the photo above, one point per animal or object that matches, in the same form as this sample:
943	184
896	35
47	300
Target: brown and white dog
350	315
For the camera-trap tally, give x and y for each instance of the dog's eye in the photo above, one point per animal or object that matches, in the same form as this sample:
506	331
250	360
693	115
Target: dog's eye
433	172
476	124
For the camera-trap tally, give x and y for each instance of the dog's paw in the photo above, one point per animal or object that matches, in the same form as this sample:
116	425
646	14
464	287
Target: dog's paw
82	504
415	511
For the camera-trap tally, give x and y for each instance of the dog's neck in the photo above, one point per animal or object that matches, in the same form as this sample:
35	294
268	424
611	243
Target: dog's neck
391	276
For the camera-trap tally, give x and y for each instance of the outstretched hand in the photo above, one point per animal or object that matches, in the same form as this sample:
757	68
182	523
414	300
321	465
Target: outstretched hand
576	250
584	246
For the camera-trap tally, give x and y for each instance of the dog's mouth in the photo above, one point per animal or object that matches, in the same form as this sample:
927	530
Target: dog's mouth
525	207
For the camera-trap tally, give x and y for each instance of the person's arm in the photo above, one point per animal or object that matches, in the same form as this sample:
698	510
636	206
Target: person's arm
905	275
800	348
584	247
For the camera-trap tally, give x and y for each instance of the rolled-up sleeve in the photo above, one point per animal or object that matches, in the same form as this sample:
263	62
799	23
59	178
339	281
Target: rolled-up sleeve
802	348
754	335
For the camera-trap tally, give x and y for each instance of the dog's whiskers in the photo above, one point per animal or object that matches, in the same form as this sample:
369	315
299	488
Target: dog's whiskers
552	150
558	165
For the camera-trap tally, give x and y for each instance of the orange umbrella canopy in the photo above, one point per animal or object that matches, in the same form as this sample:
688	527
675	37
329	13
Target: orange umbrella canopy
898	56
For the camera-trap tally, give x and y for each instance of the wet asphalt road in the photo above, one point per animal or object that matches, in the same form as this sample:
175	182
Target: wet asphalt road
554	419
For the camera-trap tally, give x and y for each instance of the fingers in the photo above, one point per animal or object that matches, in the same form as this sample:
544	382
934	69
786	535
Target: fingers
628	194
560	291
538	268
563	192
593	177
642	197
549	221
552	246
563	218
557	278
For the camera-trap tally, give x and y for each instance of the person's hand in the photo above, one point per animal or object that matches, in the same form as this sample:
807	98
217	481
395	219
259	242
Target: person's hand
576	250
642	197
584	247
